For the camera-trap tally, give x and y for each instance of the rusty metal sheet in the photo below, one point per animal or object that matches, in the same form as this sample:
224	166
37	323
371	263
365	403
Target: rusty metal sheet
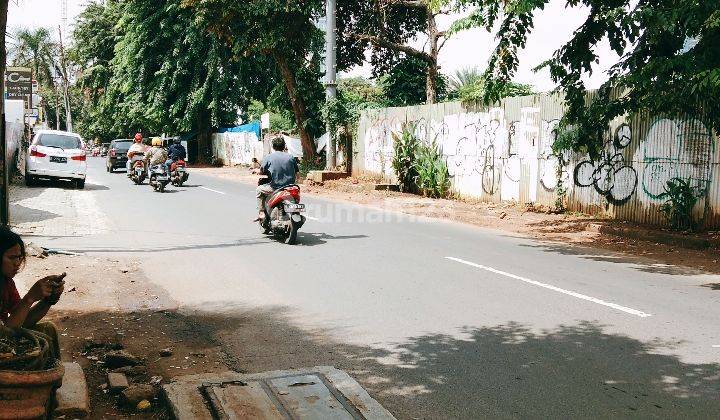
309	396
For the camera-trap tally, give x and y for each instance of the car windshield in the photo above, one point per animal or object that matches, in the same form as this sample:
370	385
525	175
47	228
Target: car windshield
122	145
59	140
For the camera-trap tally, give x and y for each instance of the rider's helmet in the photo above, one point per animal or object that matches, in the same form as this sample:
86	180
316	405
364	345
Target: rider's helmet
138	138
157	142
176	140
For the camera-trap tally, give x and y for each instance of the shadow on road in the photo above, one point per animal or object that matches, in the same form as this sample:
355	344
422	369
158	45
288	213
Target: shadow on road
314	239
506	371
642	264
20	214
143	249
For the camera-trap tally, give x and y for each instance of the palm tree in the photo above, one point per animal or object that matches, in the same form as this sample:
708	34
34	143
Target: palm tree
35	48
465	78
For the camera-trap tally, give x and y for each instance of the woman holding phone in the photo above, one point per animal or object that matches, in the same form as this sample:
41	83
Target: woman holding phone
28	311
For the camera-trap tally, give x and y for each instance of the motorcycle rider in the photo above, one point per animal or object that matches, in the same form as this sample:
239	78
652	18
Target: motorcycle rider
157	155
137	147
176	152
281	169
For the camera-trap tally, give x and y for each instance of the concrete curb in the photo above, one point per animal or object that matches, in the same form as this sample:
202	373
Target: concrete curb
663	237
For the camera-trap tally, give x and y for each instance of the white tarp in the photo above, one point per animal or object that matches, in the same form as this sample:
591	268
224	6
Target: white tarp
237	148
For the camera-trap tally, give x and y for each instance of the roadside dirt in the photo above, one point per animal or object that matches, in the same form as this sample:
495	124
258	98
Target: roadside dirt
107	305
537	223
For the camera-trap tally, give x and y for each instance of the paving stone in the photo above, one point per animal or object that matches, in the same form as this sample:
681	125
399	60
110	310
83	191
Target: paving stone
72	398
117	382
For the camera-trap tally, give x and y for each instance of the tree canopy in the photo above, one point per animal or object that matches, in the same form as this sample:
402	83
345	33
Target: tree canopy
284	31
387	29
665	46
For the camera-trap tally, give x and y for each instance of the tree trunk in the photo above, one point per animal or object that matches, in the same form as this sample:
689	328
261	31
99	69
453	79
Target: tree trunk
4	193
298	105
203	138
432	71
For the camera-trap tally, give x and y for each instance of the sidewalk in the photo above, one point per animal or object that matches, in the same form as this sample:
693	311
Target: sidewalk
694	252
56	211
108	304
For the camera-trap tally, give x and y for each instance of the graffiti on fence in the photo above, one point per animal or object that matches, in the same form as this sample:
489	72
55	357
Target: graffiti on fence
675	149
611	176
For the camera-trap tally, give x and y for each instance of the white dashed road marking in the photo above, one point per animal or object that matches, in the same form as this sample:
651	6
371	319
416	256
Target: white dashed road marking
554	288
215	191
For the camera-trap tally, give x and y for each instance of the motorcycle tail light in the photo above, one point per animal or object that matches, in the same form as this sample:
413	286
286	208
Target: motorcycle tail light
295	192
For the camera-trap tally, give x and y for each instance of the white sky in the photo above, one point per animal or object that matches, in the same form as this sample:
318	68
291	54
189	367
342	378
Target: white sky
553	27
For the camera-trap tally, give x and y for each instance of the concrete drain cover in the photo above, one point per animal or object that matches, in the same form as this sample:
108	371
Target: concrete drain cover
317	393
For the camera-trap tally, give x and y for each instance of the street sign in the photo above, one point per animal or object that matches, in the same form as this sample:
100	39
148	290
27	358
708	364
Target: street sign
18	84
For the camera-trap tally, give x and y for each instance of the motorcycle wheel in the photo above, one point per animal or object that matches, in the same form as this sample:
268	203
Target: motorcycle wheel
290	238
161	188
265	228
137	180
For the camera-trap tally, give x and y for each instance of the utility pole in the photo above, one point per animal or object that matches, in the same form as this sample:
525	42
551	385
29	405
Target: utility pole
330	75
63	65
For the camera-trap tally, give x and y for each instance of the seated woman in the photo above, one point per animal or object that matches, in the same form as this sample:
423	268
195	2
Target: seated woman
28	311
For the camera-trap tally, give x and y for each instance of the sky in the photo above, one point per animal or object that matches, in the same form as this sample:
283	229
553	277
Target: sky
553	27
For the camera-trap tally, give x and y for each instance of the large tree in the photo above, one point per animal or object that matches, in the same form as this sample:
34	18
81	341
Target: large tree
282	30
670	59
389	29
94	37
170	75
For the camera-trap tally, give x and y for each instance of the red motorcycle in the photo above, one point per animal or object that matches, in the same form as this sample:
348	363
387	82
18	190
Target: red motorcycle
178	173
138	171
283	216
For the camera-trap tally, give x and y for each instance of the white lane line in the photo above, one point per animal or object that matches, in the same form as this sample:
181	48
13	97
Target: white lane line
554	288
312	218
716	346
215	191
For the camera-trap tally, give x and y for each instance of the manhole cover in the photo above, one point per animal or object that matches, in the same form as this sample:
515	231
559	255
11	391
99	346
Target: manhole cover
318	393
296	397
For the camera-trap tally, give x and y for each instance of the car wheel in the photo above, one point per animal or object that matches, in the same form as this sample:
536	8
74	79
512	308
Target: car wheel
29	180
80	183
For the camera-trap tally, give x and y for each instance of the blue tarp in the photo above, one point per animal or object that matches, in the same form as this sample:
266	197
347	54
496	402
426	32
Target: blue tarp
253	127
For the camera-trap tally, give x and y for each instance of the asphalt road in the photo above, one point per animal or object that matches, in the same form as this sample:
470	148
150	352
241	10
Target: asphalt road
437	319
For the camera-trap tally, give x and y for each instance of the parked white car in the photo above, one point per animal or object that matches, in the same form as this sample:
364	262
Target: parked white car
56	155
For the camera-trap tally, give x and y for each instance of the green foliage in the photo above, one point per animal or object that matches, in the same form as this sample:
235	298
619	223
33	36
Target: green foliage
156	69
394	22
680	199
665	46
406	83
419	167
357	95
94	37
433	179
316	164
405	147
34	48
336	115
284	32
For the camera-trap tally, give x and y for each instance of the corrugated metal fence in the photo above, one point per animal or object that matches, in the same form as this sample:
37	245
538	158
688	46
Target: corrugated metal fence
504	153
